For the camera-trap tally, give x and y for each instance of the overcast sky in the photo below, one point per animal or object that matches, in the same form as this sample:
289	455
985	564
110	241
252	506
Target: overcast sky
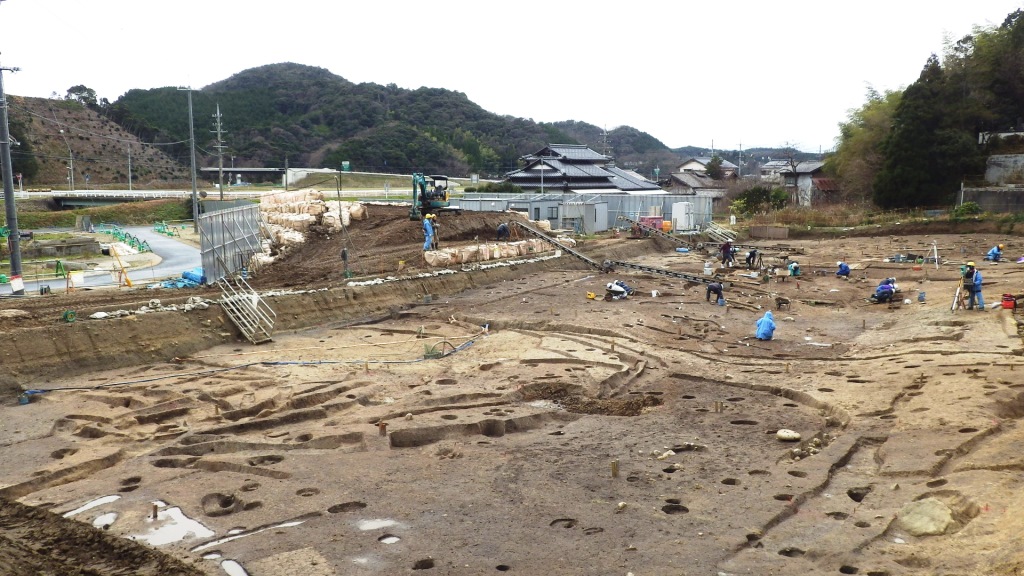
729	74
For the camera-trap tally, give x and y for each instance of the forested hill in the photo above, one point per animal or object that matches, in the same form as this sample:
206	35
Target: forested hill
312	117
297	115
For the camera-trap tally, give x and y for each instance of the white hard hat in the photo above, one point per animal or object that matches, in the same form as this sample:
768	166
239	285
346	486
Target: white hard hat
840	263
609	286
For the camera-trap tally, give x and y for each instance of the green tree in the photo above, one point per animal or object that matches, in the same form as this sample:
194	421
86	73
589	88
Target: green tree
714	168
926	153
858	156
760	199
23	160
83	95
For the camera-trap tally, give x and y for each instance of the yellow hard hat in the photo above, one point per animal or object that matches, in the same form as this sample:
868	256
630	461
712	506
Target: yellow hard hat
1000	246
970	263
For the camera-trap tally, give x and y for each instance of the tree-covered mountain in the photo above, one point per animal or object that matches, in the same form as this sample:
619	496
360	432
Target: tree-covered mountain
310	117
297	115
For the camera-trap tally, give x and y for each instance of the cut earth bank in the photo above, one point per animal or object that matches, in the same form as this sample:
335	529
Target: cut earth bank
532	430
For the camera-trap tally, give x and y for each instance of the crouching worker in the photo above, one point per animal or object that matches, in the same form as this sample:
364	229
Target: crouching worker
503	232
716	289
995	254
765	326
844	270
616	291
885	291
751	258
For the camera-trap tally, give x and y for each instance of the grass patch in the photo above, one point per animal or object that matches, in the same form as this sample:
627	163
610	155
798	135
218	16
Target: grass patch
126	214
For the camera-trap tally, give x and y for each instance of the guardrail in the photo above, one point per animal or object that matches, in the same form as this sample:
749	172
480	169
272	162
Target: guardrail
130	194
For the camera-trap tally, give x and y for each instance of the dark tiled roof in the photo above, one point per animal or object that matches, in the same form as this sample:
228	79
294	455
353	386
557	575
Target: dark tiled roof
627	181
577	167
696	180
804	168
569	152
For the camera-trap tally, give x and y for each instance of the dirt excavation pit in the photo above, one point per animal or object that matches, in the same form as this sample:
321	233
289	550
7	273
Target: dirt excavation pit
514	425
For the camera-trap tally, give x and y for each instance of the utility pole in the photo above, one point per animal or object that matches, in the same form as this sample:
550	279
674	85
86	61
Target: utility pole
192	146
541	173
220	154
71	161
11	210
129	166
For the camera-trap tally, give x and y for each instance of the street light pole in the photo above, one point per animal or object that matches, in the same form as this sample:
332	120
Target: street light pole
10	209
192	146
71	162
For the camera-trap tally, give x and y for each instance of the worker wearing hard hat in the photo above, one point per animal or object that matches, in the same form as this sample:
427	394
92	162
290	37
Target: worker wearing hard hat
972	283
995	254
844	270
615	291
428	232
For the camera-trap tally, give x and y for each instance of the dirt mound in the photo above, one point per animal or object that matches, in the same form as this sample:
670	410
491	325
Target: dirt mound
386	242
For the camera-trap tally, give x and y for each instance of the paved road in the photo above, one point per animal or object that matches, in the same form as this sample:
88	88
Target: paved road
175	257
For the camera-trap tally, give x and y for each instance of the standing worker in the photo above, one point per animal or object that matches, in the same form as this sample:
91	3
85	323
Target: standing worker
765	326
972	283
995	254
844	270
436	244
428	232
716	289
726	253
503	232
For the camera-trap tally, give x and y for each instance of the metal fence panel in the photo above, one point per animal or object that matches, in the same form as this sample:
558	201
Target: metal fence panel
228	240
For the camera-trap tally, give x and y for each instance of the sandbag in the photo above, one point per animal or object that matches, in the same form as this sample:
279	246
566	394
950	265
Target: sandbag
437	257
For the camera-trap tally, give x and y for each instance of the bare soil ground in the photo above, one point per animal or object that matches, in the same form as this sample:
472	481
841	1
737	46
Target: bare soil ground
497	420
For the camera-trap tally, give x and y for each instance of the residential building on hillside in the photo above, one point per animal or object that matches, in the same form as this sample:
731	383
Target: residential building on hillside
771	171
577	169
700	164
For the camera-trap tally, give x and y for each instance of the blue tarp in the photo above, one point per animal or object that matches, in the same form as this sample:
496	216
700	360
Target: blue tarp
194	275
189	279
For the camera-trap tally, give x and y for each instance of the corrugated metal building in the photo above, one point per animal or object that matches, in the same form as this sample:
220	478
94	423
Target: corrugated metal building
587	213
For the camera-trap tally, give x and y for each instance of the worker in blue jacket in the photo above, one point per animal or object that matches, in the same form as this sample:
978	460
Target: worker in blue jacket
428	232
844	270
885	291
765	326
972	283
995	254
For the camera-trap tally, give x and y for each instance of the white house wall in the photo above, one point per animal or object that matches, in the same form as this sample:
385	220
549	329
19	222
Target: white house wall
804	187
